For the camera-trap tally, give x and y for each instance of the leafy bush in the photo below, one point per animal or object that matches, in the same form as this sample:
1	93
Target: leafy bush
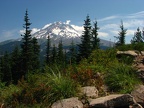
27	93
103	58
121	78
6	93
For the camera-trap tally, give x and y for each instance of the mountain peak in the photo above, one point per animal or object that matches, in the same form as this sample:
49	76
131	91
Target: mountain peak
57	30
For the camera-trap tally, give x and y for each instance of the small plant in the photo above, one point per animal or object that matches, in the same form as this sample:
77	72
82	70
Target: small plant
121	78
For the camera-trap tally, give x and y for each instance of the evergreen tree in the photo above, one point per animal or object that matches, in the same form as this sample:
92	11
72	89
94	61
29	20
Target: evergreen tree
96	40
85	48
122	34
72	52
138	38
48	52
15	65
36	51
60	52
26	47
6	69
54	54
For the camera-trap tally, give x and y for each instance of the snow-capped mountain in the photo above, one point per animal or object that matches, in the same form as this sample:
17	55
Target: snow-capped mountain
63	31
57	30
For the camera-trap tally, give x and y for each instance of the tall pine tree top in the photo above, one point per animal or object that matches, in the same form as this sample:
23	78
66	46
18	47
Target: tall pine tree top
48	50
27	38
26	46
96	40
85	47
138	37
122	34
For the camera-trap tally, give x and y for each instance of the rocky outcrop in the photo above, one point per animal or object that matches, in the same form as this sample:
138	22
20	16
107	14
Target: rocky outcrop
138	61
129	52
112	101
138	94
91	100
68	103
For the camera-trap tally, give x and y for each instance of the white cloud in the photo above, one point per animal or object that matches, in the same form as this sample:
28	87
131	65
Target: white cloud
68	21
109	26
8	34
130	32
136	15
34	30
133	23
103	34
114	32
108	18
22	31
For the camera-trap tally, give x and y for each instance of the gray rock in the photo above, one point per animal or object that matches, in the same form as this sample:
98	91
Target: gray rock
68	103
90	91
111	101
138	94
129	52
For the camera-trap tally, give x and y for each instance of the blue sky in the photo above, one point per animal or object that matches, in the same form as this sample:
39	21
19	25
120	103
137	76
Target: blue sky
108	13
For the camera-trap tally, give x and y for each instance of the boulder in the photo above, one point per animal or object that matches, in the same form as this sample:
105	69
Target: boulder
138	94
129	52
111	101
68	103
90	91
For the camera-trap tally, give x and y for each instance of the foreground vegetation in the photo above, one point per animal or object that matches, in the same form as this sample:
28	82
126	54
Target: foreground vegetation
55	83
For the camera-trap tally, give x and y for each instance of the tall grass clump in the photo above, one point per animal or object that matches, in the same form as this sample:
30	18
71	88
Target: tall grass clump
61	86
121	78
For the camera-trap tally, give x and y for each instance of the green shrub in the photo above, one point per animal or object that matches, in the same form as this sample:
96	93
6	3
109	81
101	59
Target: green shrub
136	46
125	47
26	94
103	58
121	78
6	93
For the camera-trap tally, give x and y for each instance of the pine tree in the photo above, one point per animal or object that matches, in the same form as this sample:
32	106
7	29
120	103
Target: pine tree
85	48
54	54
60	52
26	47
96	40
35	57
48	52
122	34
6	69
138	38
15	65
72	52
